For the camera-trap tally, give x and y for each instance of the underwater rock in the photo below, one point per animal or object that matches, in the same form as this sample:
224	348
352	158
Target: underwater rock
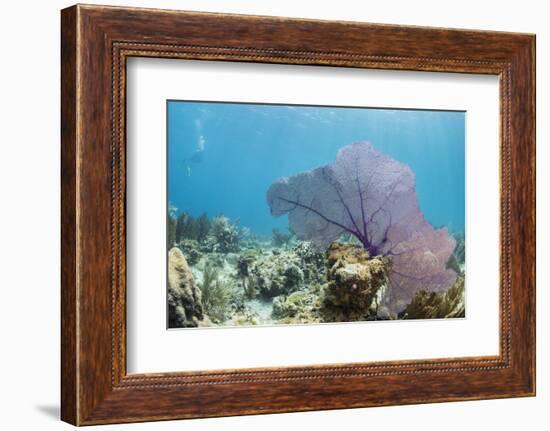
245	318
309	254
232	258
370	196
312	262
437	305
246	259
206	322
190	249
275	274
244	265
298	307
354	282
294	276
184	297
280	271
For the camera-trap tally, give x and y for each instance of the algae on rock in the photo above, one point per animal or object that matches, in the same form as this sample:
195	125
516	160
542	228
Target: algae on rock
298	307
355	281
273	274
280	271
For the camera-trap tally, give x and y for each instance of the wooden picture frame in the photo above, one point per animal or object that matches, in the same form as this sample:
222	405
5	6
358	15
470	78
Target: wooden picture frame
96	41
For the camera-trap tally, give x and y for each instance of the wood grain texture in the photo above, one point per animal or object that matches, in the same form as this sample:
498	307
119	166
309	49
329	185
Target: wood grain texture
69	366
96	41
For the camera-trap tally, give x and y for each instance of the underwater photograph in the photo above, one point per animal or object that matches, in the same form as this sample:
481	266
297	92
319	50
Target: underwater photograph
299	214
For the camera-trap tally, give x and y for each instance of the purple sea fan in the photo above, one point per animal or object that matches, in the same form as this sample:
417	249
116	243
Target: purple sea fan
372	197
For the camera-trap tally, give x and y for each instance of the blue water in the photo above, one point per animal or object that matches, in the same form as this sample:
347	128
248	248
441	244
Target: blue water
222	157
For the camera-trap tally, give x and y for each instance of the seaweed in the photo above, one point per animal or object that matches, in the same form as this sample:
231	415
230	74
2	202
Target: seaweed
437	305
216	296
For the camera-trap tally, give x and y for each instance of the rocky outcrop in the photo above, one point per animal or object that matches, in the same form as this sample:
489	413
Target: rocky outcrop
184	297
355	282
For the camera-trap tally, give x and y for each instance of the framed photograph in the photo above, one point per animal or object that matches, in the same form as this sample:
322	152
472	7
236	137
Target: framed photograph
343	239
279	215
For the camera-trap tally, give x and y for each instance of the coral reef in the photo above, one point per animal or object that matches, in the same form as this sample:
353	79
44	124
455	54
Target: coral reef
437	305
298	307
280	271
191	251
276	274
354	283
245	318
214	258
223	237
246	259
244	264
185	227
247	239
312	262
184	297
188	227
222	274
370	196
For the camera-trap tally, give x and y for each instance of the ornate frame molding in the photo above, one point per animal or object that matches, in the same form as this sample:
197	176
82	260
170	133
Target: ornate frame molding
96	41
